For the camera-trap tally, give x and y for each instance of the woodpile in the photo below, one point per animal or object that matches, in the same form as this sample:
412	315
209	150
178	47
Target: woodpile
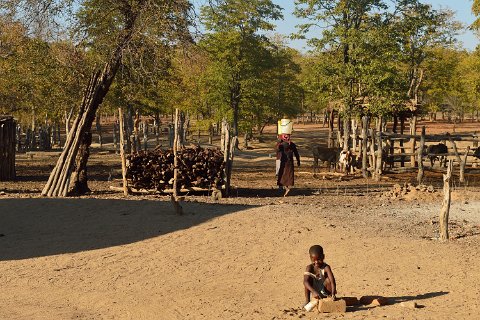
198	167
7	148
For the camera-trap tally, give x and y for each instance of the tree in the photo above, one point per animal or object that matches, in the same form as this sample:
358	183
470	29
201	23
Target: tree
110	28
236	47
342	43
275	92
369	46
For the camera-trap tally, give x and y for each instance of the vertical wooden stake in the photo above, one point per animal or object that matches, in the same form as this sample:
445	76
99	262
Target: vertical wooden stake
463	163
460	161
446	202
175	197
122	152
364	146
379	165
372	153
420	157
413	141
175	160
226	158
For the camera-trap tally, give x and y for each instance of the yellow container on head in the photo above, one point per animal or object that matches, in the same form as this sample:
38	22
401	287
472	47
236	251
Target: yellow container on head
285	126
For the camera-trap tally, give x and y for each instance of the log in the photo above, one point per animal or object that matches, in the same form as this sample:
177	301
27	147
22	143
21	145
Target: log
197	167
165	191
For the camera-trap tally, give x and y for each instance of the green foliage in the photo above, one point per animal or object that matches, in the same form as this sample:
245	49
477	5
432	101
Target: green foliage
237	49
38	78
146	79
369	59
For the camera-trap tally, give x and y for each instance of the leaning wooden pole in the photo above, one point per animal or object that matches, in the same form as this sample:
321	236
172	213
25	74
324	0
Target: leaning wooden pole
122	152
60	175
59	181
444	213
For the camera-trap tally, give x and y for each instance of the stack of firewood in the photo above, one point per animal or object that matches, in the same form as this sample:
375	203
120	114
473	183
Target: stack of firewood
198	167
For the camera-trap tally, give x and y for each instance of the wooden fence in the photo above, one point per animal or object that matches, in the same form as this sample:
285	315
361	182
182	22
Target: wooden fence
381	150
7	148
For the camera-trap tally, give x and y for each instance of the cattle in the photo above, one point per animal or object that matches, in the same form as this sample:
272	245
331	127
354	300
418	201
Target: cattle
435	152
345	160
476	153
349	162
329	155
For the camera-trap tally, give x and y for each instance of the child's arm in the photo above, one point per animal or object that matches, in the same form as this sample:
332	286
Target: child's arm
330	276
308	286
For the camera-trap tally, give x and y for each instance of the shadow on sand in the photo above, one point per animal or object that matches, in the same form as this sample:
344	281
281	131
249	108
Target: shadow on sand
400	299
42	227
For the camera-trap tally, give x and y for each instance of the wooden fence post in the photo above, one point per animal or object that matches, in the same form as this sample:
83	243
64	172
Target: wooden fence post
446	202
413	131
420	157
463	163
364	146
373	162
122	152
379	165
226	156
460	161
176	142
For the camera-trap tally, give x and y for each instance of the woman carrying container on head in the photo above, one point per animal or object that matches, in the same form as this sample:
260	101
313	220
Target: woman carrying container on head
286	150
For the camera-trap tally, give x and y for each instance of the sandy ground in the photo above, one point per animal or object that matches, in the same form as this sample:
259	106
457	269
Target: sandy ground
103	256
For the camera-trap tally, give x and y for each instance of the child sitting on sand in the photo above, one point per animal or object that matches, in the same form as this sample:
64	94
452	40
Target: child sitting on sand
318	278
